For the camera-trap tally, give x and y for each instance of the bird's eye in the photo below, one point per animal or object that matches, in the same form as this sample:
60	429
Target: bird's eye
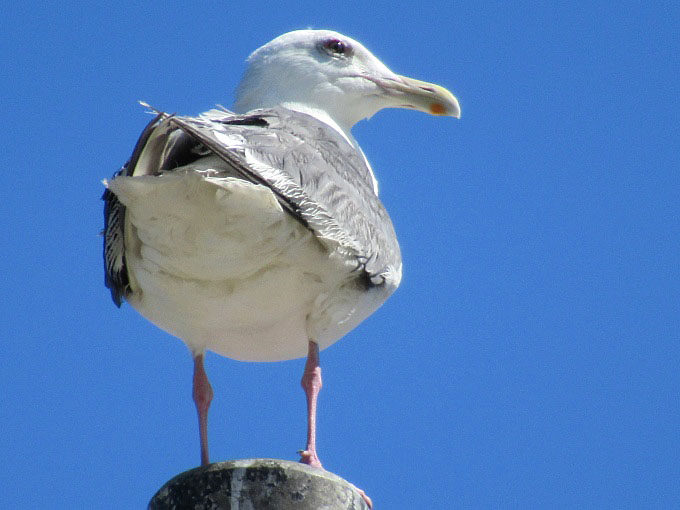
337	48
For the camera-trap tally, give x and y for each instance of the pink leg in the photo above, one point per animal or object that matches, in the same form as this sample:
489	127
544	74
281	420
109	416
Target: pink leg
311	383
203	395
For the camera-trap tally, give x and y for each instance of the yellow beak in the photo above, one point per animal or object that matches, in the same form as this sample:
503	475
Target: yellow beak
423	96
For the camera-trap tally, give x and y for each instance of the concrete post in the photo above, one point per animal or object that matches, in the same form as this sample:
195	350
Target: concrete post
257	484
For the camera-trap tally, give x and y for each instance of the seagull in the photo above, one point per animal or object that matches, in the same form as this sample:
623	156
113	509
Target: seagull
257	233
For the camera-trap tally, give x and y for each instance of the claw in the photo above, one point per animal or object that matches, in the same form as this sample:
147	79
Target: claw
366	498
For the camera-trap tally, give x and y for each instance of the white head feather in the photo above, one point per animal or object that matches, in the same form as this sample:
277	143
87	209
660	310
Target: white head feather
334	78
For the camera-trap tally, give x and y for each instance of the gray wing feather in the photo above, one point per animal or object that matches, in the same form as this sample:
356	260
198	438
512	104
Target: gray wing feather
315	173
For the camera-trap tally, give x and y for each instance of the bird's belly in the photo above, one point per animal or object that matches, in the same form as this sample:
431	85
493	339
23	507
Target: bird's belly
224	268
261	319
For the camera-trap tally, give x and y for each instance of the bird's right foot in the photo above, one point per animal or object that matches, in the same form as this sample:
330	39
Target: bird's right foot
310	458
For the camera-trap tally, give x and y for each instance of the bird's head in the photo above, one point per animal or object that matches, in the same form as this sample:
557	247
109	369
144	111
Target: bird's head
321	70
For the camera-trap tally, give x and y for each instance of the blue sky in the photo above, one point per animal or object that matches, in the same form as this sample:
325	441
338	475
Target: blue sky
530	357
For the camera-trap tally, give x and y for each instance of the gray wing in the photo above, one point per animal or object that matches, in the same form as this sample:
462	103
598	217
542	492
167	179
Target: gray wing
321	179
316	175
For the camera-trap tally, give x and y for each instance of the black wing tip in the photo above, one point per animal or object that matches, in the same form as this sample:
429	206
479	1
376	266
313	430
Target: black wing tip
370	280
117	298
251	120
115	280
119	286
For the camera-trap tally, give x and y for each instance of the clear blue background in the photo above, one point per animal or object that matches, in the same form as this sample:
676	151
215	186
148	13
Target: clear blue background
529	359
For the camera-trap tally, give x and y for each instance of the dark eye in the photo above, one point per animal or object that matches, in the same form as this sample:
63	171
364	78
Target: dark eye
337	48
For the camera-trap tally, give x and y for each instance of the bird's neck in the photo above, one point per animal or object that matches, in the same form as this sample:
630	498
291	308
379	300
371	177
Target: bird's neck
323	116
251	98
342	127
326	118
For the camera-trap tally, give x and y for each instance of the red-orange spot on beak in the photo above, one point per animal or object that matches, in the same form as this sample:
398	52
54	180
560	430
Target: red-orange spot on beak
437	109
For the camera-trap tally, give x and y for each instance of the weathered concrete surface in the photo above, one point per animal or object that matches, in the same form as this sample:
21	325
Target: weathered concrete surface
257	484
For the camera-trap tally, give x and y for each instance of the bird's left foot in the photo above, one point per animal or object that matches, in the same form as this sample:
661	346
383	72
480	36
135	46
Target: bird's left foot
310	458
366	498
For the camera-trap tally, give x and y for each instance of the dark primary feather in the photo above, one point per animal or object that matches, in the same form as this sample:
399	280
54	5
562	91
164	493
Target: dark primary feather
115	271
317	176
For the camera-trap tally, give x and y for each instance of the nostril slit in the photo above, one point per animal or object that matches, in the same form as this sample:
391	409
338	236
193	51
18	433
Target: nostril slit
428	89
